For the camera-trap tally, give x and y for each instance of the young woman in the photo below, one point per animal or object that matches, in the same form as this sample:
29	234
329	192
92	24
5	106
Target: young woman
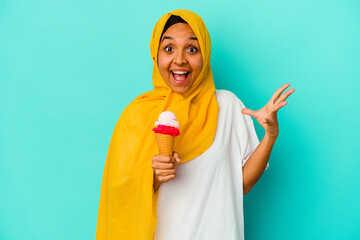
198	192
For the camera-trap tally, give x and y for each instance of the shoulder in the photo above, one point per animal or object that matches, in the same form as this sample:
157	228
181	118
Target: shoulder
226	97
231	105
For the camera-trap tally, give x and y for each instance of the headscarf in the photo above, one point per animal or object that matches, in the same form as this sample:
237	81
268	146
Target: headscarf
127	208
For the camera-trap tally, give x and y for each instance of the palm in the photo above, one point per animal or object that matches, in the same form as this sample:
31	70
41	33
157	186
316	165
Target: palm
267	116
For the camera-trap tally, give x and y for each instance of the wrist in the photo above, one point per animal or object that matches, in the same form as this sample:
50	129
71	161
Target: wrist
272	137
156	184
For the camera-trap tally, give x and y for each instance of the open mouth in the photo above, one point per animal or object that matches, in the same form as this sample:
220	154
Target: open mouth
180	77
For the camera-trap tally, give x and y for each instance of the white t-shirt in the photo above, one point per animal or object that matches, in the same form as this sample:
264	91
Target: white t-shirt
205	200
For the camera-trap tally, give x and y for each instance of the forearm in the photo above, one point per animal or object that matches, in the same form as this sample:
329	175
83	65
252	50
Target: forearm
256	164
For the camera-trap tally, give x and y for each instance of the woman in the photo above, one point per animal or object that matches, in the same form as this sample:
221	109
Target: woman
197	193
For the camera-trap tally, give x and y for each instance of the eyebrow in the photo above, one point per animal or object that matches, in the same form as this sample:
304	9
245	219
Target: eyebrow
167	37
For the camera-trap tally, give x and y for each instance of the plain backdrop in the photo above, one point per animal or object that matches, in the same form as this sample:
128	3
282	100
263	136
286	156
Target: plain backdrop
69	68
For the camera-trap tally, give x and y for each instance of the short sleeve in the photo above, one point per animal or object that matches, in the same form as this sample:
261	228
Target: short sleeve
253	142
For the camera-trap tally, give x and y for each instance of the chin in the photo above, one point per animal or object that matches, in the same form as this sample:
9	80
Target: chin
180	91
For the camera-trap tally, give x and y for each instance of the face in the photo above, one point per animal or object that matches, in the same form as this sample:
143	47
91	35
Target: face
179	57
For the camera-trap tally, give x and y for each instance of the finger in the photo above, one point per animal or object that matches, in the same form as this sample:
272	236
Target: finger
166	178
165	172
177	156
280	105
248	112
279	92
163	158
285	96
162	165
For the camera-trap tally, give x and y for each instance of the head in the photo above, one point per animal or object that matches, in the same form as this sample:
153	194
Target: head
179	55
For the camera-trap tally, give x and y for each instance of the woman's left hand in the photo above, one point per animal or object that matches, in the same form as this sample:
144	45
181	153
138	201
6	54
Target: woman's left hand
267	116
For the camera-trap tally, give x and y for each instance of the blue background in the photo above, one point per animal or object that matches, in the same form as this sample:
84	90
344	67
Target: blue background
69	68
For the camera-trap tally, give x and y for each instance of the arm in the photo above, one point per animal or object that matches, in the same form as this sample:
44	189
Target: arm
267	118
256	164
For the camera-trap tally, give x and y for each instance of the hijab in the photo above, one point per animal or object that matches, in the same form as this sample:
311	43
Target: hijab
127	208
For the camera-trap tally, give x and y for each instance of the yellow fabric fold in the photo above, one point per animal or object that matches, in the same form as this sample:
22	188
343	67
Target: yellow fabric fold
127	208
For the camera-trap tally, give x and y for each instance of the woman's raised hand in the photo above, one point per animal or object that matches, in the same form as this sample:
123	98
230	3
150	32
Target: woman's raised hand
267	116
164	168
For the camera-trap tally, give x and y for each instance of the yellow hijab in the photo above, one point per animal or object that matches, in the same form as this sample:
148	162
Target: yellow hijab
127	208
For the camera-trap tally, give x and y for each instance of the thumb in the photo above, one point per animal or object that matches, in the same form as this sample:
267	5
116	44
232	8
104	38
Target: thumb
247	111
177	156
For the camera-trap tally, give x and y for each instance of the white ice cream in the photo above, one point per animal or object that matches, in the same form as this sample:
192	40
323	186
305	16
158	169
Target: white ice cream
167	118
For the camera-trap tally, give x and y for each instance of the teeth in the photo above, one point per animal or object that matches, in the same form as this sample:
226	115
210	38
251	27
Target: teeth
179	72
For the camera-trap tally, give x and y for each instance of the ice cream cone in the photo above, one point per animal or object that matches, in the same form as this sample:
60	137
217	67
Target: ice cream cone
165	143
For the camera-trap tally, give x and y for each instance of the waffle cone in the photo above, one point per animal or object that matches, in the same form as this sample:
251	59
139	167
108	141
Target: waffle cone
165	143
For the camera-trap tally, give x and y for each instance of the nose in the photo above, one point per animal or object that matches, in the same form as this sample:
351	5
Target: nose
180	58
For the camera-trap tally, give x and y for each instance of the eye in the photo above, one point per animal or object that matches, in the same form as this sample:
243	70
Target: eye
168	49
193	50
